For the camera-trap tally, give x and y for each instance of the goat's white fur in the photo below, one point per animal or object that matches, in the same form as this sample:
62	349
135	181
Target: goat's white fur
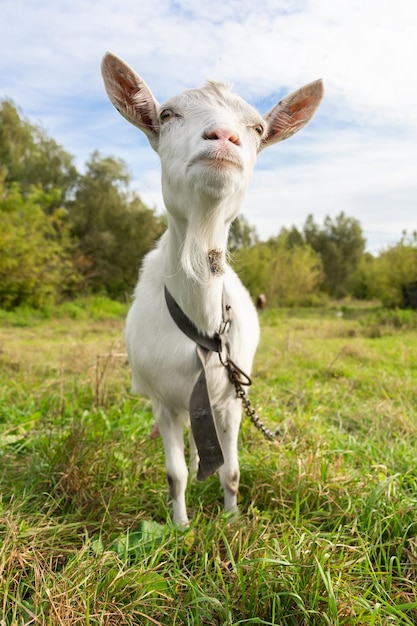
207	140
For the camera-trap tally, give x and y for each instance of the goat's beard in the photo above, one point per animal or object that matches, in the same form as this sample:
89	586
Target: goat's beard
202	216
204	249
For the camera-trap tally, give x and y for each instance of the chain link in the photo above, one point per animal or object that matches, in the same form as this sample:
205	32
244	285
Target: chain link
238	377
235	377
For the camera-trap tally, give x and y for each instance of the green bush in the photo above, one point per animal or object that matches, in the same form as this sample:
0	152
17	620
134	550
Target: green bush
35	262
386	276
288	276
385	321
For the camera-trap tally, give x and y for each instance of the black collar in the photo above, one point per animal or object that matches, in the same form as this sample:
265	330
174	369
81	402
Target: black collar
213	344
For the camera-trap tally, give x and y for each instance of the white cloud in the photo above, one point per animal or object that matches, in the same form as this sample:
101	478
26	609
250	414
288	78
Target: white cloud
370	177
359	153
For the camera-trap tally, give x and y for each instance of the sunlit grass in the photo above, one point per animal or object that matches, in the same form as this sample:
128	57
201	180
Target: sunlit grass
328	528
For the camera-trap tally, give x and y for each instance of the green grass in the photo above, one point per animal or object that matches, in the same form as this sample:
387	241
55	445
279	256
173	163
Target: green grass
328	527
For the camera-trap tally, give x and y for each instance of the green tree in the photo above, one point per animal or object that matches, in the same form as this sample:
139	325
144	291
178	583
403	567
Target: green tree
113	226
295	272
289	276
292	237
241	235
252	264
35	263
340	245
394	271
28	156
362	281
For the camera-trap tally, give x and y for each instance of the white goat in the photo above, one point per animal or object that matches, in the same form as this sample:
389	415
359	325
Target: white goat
207	140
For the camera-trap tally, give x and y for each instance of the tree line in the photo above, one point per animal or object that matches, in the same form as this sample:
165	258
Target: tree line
309	265
63	233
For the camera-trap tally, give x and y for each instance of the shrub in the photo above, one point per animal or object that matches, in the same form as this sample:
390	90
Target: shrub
35	265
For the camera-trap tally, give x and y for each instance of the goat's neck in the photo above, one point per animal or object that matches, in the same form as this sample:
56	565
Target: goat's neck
196	286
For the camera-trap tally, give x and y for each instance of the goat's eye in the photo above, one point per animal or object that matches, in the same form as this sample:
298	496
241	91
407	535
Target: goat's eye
258	128
166	115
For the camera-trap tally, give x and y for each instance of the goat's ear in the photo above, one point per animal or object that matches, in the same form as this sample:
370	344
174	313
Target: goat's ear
292	113
131	96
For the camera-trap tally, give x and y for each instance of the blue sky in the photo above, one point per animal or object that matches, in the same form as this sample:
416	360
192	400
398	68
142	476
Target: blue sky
358	155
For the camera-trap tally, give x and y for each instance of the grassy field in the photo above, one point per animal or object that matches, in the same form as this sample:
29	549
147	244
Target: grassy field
328	527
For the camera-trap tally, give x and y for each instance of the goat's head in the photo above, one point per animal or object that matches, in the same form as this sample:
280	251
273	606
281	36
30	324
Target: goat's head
207	138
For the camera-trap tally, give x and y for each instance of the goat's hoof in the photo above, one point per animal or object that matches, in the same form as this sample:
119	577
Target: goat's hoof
231	517
181	524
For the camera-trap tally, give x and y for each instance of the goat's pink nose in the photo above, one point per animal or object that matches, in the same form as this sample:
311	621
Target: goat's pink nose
222	134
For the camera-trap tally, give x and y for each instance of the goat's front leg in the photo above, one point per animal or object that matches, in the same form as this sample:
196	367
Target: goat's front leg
228	426
171	429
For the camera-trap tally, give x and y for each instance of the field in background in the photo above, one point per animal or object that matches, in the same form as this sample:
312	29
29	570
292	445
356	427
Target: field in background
328	527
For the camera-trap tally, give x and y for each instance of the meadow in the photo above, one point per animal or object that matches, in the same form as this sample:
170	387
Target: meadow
327	531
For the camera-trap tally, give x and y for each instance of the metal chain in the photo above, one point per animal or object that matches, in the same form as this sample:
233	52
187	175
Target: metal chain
235	377
238	377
